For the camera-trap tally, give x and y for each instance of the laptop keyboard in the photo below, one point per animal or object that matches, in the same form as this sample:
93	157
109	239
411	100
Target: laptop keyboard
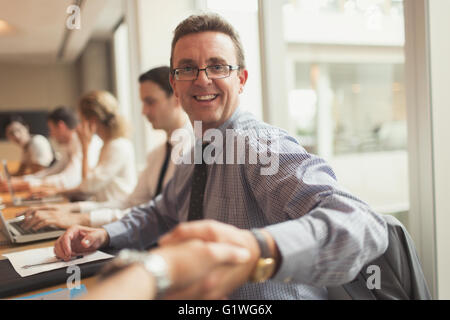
17	225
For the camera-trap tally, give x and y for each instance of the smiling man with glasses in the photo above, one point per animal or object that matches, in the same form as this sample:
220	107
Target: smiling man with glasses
303	231
208	75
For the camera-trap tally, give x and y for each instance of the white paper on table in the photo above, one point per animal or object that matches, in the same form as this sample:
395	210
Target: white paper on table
42	255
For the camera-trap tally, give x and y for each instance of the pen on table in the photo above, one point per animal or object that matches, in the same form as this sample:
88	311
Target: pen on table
51	262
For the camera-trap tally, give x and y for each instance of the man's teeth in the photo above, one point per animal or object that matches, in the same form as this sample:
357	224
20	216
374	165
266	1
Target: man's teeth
208	97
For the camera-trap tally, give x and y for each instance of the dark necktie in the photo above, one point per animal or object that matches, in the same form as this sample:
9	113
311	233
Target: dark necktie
198	190
162	173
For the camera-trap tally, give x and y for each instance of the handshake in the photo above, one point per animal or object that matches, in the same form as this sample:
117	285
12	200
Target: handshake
201	260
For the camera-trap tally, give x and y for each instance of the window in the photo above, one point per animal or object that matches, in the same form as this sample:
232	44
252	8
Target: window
345	78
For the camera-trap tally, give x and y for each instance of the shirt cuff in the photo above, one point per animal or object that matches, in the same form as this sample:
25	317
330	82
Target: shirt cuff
118	234
296	251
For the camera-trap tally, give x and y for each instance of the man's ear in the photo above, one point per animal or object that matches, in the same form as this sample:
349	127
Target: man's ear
173	83
243	76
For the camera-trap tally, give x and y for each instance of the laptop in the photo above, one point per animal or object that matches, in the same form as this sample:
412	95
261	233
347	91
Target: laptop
16	234
18	201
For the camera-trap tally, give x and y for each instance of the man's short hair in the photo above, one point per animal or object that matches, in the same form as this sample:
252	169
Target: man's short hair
160	76
64	114
208	22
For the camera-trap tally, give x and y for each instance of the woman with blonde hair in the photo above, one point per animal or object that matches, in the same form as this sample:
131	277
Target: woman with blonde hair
114	177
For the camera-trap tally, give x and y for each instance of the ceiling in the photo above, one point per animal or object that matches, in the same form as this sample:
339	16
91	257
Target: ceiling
39	28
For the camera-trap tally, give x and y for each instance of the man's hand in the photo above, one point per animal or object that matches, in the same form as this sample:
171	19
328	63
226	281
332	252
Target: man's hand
43	191
188	262
194	260
61	207
78	240
224	279
44	217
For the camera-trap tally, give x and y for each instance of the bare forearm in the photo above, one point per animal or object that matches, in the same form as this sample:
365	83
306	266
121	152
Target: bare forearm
126	284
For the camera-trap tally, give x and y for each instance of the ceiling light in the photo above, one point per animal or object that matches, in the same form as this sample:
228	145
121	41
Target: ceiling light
5	27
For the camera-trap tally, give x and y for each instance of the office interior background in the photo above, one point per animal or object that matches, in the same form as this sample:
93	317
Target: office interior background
362	83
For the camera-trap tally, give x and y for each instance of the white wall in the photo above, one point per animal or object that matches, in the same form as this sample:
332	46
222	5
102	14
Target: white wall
34	87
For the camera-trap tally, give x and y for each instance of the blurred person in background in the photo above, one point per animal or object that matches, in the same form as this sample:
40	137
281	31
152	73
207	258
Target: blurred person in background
37	153
114	176
66	172
164	111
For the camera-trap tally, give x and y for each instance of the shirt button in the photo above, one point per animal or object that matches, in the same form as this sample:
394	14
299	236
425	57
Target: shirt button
287	280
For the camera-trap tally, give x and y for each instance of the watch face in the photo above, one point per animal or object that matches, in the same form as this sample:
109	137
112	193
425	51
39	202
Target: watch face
264	270
156	263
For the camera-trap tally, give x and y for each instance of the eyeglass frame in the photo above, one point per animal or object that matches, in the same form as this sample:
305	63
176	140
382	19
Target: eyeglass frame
232	68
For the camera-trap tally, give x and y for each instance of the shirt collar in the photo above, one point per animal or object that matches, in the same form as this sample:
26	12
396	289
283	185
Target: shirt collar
226	125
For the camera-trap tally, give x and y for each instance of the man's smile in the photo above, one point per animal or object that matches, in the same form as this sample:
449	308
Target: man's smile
209	97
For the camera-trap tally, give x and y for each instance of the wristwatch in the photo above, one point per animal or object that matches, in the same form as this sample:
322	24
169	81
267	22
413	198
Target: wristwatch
265	266
153	263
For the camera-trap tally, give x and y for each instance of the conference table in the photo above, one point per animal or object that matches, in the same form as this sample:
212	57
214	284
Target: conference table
10	212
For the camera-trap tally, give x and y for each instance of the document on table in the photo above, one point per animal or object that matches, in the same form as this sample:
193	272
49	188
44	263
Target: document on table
22	260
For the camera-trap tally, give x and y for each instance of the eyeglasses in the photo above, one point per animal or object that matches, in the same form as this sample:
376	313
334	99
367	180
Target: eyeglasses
212	72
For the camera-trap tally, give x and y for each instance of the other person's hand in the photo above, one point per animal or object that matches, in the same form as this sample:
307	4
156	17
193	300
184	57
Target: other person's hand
85	131
224	279
79	240
45	217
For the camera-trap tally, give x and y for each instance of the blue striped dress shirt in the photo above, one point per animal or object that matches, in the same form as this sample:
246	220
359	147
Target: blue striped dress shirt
324	234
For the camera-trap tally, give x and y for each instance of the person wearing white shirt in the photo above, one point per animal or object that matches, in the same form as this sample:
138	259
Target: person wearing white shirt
37	153
163	110
114	177
66	172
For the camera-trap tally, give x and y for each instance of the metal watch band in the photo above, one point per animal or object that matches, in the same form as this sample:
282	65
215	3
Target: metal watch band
265	252
157	266
153	263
